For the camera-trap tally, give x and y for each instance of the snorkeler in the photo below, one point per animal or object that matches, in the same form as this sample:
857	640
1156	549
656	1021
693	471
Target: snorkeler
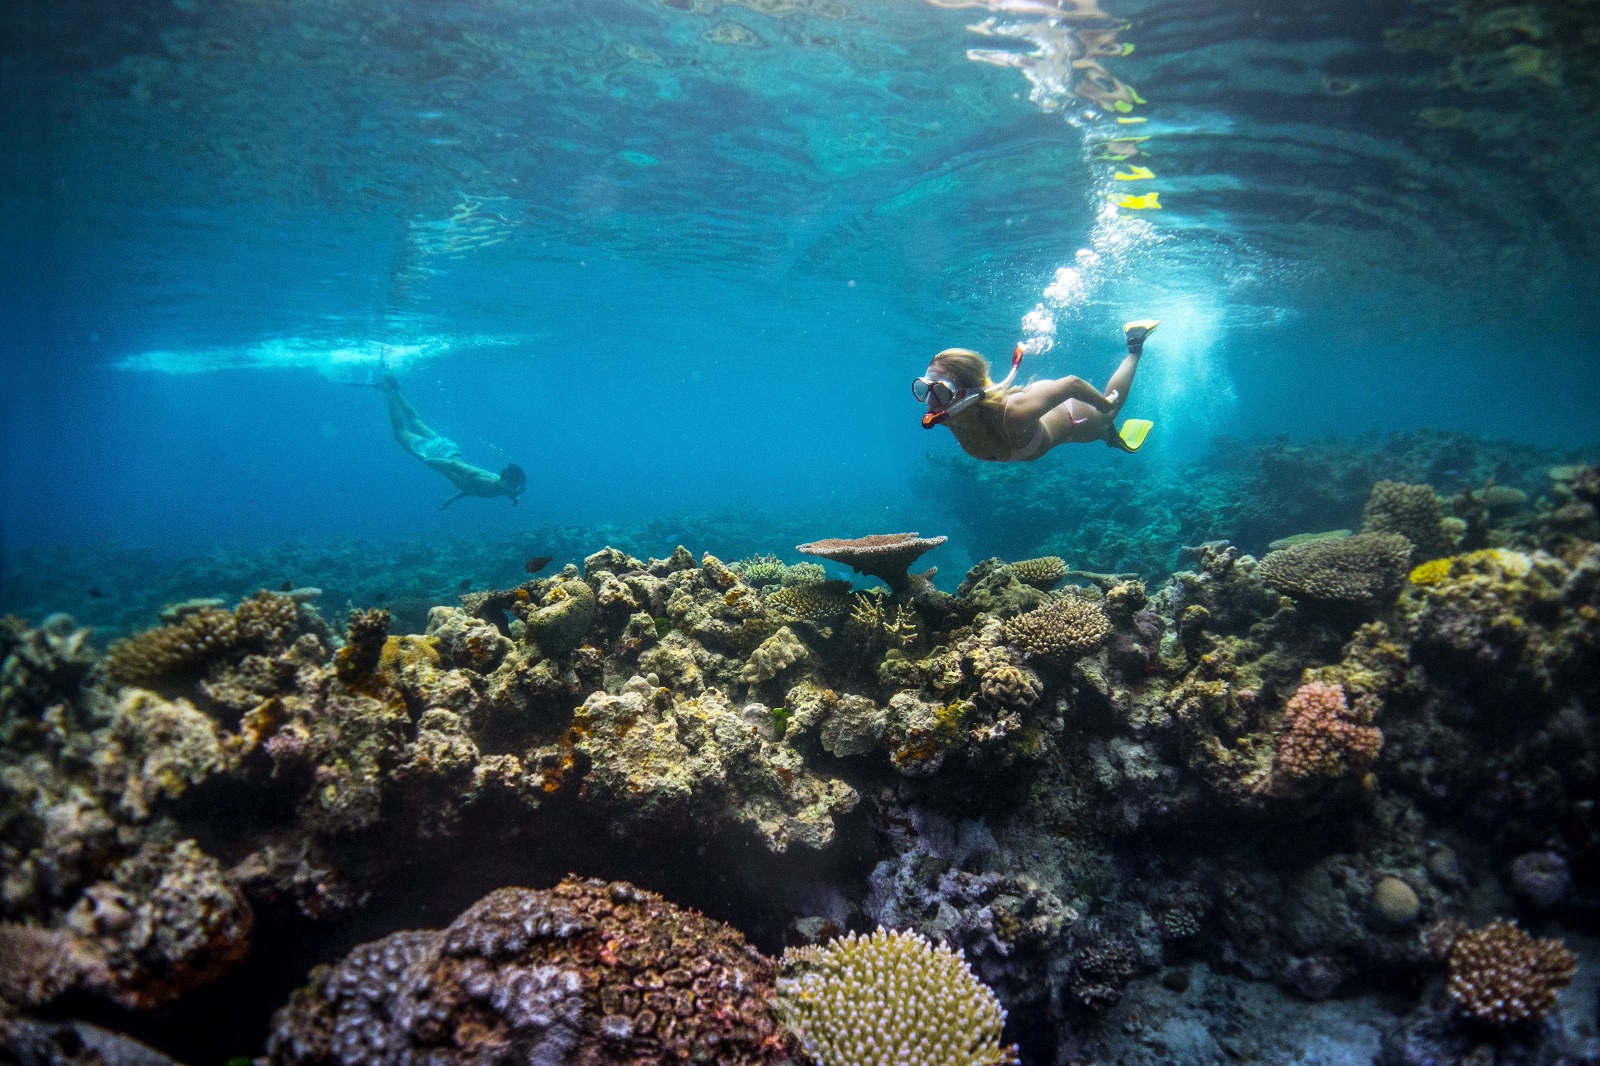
443	455
993	421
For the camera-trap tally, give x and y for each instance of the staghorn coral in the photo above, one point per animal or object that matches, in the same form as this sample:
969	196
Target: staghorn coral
1501	976
813	603
1044	573
1322	737
1414	512
586	972
1060	631
183	648
1358	570
891	998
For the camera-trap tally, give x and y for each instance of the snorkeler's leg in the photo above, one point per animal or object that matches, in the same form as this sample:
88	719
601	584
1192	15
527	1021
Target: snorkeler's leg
1121	381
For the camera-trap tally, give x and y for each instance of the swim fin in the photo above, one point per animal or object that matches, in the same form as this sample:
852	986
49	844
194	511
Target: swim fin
1137	330
1133	433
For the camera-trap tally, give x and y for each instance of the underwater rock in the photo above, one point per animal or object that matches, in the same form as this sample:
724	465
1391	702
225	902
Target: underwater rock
658	760
587	971
558	624
1543	878
166	921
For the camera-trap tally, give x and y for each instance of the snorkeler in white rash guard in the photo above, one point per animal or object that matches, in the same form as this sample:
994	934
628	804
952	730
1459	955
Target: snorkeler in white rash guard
443	455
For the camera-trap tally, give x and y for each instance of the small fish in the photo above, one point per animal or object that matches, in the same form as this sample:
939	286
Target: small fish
95	593
287	586
537	563
465	586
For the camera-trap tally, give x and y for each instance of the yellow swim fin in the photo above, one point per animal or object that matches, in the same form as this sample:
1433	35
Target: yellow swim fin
1148	202
1133	433
1134	174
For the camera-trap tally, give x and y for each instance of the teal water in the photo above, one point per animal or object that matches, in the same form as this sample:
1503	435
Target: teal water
678	256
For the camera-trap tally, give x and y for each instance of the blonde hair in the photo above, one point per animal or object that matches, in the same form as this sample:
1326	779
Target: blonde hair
983	434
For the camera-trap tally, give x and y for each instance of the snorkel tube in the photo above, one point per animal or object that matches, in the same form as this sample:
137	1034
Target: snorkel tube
933	418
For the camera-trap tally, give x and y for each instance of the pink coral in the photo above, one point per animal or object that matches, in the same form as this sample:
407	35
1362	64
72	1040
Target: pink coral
1321	736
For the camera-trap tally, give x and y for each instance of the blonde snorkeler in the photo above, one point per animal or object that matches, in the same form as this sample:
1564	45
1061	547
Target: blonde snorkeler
1001	424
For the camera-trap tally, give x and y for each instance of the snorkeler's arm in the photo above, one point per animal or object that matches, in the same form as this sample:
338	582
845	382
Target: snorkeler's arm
1042	396
453	499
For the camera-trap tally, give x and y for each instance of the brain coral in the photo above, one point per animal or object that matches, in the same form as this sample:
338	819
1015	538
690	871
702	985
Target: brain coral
1062	629
587	972
1414	512
1321	736
1500	975
892	998
1356	570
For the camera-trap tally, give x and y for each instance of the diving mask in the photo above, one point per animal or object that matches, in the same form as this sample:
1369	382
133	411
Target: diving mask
944	398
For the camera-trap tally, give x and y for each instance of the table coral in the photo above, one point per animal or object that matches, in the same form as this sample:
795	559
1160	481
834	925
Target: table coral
588	971
891	998
1501	976
1359	570
886	556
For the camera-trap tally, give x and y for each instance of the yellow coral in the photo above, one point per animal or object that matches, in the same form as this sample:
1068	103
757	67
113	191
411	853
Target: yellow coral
892	998
1432	572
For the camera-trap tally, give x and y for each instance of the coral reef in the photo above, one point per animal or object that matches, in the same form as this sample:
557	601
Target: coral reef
1095	786
588	971
891	998
1415	513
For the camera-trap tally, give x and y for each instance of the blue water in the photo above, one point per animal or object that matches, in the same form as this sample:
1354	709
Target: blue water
673	256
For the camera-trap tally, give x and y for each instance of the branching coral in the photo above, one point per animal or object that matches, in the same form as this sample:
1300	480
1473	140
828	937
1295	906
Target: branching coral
1356	570
813	603
184	647
1414	512
1322	737
891	998
1045	572
1500	975
1060	631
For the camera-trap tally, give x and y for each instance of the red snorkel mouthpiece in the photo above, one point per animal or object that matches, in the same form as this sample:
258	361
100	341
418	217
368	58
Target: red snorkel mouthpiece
932	418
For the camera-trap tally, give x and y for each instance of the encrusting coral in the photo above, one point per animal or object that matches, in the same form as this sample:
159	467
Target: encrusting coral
891	998
588	971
